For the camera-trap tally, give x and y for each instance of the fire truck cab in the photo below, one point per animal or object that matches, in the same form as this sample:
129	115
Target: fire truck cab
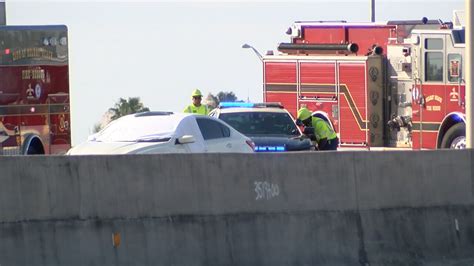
392	84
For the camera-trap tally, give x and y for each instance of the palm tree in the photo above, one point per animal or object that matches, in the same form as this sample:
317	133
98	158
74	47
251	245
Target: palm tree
125	107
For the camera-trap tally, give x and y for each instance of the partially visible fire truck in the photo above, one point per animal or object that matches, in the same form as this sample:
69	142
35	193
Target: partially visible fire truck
34	90
392	84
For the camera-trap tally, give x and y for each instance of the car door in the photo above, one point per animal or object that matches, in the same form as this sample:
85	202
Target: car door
188	126
217	135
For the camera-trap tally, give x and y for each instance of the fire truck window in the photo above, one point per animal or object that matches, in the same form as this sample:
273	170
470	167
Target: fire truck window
454	67
434	66
434	44
459	36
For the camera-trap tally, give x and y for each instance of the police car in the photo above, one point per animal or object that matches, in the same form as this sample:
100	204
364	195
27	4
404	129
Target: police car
269	125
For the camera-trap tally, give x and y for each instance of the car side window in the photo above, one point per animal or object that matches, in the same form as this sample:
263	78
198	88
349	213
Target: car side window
211	129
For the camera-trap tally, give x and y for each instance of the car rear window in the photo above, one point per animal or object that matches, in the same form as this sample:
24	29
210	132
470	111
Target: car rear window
261	123
142	128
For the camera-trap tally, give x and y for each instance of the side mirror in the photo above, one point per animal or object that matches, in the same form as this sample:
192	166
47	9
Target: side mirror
92	137
185	139
298	122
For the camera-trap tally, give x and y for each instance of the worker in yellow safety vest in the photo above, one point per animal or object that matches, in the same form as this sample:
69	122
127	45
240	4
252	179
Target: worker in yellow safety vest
323	132
196	107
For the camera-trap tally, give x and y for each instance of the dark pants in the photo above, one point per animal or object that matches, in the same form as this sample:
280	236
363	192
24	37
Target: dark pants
331	145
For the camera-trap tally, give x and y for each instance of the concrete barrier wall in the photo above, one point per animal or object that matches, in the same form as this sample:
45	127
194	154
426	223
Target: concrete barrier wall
344	208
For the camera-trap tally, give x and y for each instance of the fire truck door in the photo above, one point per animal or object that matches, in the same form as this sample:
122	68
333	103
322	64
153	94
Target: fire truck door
429	91
318	87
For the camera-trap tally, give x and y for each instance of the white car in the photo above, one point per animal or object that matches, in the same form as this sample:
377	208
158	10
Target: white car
165	132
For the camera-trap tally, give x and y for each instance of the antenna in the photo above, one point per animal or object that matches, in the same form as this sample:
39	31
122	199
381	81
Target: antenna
372	10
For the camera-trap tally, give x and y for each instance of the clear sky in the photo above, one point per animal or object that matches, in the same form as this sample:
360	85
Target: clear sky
161	50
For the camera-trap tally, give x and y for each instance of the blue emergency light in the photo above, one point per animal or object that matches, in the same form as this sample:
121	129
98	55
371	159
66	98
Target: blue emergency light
270	148
249	105
235	104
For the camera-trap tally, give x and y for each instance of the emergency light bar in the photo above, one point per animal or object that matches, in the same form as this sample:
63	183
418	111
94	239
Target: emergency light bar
270	148
235	104
249	105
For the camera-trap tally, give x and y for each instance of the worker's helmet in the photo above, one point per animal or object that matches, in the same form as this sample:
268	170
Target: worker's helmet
196	93
304	113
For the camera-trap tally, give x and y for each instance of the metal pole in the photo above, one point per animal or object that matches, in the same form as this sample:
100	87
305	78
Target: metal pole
260	57
245	46
469	73
372	10
3	15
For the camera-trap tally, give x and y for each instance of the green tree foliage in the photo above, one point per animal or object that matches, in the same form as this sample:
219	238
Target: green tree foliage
226	96
97	127
121	108
125	107
212	101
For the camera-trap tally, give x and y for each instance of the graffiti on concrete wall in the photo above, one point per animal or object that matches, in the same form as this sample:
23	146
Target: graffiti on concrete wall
266	191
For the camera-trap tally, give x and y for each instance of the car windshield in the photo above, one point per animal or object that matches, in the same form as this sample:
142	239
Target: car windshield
261	123
139	129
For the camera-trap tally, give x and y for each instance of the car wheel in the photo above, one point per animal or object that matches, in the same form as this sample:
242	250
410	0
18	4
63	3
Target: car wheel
455	137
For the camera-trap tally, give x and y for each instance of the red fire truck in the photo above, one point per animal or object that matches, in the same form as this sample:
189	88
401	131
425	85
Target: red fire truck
34	90
392	84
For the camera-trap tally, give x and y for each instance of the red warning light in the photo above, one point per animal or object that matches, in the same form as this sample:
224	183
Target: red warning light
7	51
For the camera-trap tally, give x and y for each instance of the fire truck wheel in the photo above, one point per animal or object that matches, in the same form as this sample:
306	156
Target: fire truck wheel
455	137
32	151
35	146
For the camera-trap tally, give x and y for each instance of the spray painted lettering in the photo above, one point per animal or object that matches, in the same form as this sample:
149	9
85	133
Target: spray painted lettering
266	190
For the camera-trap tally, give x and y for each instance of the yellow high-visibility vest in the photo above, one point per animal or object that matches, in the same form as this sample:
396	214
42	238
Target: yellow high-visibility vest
201	110
322	130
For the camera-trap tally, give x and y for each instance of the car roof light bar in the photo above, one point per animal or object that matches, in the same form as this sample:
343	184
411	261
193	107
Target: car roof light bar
235	104
277	105
249	105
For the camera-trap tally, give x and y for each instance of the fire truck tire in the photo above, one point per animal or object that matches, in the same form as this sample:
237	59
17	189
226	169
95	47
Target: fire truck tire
455	137
32	150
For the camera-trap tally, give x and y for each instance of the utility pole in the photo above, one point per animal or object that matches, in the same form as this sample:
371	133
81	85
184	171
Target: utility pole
372	10
3	15
469	73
